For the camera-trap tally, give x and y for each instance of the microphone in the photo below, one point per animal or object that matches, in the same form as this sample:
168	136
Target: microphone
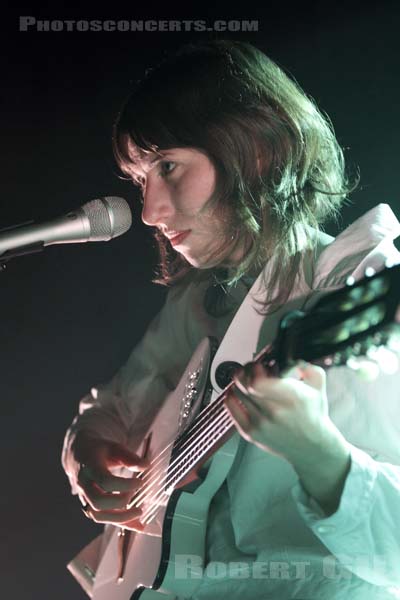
99	220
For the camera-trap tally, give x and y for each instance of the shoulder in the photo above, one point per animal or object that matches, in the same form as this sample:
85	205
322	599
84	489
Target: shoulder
366	242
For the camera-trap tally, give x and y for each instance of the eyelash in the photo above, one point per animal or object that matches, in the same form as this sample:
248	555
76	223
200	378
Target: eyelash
140	181
167	162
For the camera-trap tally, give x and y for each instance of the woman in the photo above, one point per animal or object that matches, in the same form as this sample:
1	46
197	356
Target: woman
238	169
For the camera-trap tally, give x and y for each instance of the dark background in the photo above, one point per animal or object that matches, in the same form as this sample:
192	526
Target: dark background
69	316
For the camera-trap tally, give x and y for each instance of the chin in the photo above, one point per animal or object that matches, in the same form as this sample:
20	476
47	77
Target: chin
200	263
196	263
207	260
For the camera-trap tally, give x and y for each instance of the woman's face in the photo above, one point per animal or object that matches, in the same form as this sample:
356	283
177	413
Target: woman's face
176	186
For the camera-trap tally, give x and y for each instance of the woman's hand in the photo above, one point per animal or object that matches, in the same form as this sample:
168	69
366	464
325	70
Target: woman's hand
106	496
288	416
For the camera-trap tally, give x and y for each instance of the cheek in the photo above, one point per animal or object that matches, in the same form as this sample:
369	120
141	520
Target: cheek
206	186
195	191
209	226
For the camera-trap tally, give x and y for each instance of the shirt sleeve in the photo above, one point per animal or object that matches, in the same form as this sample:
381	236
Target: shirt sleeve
121	410
363	534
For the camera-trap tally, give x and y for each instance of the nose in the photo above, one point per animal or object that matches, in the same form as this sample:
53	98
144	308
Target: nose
157	204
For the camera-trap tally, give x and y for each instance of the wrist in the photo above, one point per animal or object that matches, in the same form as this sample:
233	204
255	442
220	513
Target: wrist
323	470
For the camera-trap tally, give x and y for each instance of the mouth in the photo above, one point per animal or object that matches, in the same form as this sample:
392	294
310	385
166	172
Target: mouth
177	237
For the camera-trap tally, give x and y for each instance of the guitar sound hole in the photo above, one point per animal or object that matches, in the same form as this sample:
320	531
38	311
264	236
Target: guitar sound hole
224	373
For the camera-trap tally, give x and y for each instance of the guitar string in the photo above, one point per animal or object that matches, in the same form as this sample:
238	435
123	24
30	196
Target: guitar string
193	431
197	428
186	437
154	502
197	434
182	469
187	447
154	497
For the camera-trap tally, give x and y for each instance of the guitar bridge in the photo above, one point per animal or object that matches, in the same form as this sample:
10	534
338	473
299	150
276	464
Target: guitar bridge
190	395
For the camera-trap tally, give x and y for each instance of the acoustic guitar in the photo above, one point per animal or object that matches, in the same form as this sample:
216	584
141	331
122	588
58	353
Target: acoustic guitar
181	481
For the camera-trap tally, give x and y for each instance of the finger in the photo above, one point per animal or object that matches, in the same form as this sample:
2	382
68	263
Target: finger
135	525
249	372
245	410
249	427
245	374
242	380
252	397
238	412
104	481
119	455
98	500
260	378
117	517
313	375
253	378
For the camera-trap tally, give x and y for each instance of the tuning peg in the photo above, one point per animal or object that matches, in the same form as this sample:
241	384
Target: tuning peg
369	272
367	370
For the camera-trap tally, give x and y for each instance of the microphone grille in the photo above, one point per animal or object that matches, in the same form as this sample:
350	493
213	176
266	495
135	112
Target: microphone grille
109	217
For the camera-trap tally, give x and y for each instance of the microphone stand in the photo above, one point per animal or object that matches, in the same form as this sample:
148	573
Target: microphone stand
22	251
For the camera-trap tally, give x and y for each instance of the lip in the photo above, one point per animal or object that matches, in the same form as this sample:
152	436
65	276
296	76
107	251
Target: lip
178	238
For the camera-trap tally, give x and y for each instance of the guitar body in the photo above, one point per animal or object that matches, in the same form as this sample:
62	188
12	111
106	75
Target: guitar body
157	561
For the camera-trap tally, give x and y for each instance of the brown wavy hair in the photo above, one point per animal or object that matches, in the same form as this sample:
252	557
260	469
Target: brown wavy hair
280	170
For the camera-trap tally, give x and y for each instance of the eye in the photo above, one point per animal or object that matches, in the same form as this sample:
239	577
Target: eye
167	166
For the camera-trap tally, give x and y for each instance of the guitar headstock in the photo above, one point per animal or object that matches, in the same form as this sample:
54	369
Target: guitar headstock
351	322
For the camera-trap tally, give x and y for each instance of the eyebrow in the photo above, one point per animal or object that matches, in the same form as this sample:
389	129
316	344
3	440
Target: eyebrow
164	153
153	160
158	158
